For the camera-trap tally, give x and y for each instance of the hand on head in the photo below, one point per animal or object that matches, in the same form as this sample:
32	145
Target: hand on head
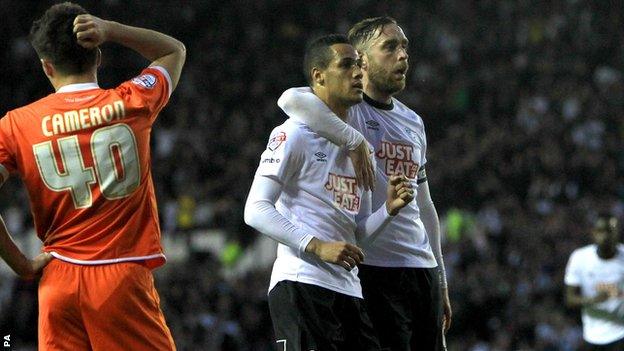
90	31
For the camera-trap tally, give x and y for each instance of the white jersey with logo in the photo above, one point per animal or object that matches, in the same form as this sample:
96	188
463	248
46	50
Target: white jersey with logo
321	196
398	136
603	323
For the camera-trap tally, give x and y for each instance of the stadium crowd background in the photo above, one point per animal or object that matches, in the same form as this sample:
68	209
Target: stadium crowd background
522	101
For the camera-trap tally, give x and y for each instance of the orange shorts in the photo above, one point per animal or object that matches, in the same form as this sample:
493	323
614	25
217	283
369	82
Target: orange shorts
104	307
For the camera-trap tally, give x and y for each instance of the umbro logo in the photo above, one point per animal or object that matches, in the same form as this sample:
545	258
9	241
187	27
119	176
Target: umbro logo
372	125
320	157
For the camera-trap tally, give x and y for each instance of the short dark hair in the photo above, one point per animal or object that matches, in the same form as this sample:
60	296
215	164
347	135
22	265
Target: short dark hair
53	38
318	53
362	32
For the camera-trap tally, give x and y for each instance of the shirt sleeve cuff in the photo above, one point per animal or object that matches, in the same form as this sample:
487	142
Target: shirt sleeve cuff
305	241
167	77
355	140
387	214
386	217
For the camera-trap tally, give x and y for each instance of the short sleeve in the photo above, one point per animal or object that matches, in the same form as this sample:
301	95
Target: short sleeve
573	271
150	90
281	158
7	154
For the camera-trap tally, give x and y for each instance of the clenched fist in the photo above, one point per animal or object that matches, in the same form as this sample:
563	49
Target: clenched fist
400	193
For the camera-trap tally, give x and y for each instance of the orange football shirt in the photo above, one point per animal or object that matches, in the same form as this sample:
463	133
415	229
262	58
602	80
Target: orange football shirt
83	154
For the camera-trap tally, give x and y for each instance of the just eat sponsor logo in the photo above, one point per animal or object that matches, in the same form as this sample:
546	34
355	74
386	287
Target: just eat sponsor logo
344	190
398	159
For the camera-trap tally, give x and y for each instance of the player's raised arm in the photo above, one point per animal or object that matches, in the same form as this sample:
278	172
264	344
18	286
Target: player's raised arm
161	49
303	105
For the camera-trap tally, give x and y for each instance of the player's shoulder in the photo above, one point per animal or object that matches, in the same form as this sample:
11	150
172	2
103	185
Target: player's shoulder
358	112
292	127
401	109
291	133
584	252
147	79
29	109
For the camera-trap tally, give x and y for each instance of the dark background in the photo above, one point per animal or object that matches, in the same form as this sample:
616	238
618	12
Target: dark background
522	101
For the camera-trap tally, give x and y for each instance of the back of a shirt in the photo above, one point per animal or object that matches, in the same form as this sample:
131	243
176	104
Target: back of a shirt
83	155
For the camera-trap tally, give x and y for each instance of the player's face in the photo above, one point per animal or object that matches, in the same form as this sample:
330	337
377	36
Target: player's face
605	233
387	58
343	75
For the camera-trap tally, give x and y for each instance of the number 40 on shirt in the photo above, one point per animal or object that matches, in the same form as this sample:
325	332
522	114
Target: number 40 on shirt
115	158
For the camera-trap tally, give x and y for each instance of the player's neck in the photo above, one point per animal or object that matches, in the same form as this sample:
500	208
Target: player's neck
375	94
334	105
606	252
61	81
338	109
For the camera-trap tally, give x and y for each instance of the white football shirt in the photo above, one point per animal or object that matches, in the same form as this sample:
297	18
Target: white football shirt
398	136
321	196
603	323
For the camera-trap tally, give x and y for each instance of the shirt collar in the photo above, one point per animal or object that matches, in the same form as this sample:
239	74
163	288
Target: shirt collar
377	104
71	88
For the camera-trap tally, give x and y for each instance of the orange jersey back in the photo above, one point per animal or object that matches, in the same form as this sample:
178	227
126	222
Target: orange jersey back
83	154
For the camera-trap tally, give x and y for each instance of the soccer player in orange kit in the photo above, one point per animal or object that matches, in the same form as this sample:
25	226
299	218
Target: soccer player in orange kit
83	155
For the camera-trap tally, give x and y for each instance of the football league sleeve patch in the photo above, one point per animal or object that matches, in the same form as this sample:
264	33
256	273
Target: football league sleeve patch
150	89
279	160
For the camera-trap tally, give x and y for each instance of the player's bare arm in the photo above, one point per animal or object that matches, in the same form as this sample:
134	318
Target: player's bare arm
400	193
13	256
337	252
575	299
161	49
447	310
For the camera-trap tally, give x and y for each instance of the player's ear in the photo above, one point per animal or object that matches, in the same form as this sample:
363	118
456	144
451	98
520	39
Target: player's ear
98	59
317	76
48	68
363	60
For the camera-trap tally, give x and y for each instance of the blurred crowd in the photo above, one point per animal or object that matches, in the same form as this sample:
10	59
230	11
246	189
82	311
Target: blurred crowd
522	101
